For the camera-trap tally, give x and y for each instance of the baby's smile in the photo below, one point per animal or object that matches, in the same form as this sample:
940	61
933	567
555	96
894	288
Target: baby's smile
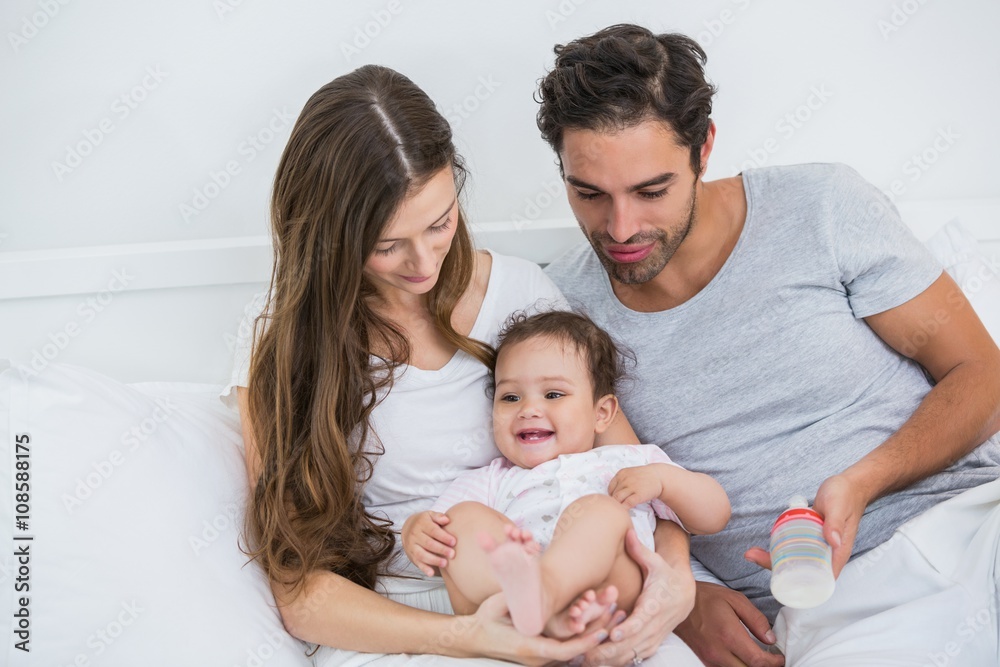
534	435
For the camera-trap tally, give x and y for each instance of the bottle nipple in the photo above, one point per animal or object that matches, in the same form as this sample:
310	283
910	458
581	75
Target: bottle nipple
797	501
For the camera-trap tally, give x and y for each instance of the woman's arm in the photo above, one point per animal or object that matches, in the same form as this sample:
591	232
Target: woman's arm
250	455
333	611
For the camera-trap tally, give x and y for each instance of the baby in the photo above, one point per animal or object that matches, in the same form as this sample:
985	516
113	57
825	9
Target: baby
546	524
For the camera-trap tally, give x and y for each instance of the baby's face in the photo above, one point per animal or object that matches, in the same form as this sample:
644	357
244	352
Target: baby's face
544	403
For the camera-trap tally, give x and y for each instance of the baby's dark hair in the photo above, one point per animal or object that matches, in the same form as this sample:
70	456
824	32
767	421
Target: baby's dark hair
604	360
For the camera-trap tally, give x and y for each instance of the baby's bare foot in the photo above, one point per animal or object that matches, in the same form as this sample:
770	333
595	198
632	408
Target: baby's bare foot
569	622
517	568
524	537
513	534
573	620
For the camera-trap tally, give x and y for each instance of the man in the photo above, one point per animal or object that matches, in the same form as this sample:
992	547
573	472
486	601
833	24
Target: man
791	336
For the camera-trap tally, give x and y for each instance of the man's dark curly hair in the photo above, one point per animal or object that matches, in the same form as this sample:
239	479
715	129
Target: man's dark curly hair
622	76
604	360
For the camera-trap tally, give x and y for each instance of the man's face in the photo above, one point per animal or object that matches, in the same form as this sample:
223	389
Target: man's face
633	194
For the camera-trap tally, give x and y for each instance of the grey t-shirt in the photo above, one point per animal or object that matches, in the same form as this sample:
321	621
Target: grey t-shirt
768	379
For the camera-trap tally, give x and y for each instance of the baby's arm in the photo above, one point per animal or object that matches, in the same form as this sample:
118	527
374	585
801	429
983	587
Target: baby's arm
698	500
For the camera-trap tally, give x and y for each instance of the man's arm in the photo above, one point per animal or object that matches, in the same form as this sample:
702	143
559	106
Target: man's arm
939	330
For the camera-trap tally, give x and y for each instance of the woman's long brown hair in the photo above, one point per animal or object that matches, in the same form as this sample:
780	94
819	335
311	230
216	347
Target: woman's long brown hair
362	144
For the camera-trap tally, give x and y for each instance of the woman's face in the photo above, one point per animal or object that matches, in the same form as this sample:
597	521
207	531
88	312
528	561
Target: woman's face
409	255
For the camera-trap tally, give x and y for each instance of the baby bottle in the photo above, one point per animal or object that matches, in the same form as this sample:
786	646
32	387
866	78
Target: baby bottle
801	569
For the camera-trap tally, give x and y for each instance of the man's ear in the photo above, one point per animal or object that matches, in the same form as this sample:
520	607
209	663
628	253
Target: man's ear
607	410
706	148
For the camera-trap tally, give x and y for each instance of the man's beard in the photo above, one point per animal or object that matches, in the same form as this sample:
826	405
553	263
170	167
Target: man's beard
636	273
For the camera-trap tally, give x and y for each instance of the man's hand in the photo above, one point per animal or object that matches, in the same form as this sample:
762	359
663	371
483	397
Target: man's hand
716	630
666	598
841	504
634	486
426	543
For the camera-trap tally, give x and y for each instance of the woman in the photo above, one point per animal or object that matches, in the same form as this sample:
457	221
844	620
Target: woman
363	396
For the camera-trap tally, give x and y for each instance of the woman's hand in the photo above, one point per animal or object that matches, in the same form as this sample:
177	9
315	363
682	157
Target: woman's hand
492	635
666	599
426	543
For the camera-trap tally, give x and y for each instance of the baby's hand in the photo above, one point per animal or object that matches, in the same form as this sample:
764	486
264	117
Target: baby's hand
634	486
426	543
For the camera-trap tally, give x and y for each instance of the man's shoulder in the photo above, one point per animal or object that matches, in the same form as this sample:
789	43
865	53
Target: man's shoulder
818	178
576	271
820	194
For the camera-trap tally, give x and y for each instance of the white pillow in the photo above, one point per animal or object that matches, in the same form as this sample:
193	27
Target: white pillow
136	498
978	275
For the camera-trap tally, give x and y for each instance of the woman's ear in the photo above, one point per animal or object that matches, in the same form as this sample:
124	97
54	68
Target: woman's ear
607	409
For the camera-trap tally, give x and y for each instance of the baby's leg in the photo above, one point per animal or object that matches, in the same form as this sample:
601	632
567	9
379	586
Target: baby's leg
468	576
587	551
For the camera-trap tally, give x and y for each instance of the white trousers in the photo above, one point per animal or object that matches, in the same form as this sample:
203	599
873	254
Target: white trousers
927	597
673	652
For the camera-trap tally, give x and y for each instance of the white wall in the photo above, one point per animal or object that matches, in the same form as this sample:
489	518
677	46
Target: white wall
162	94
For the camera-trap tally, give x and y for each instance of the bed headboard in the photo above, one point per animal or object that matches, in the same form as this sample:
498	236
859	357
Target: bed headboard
169	311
